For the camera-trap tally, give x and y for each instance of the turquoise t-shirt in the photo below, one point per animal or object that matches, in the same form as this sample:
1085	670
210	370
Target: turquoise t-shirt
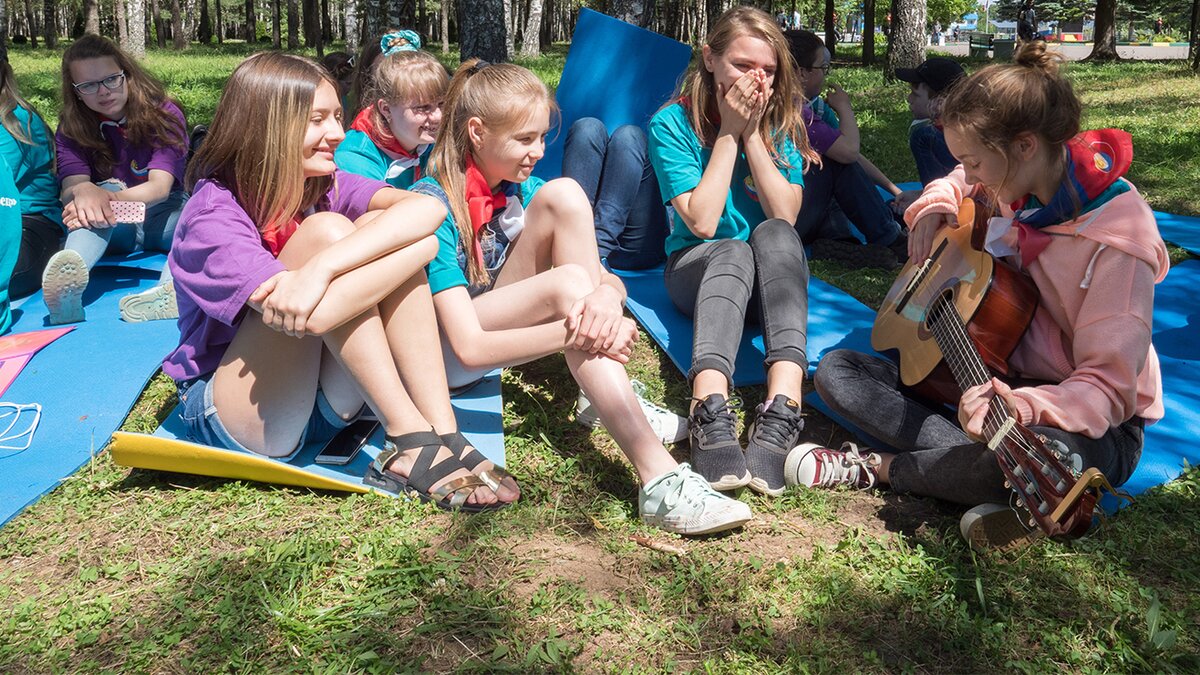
448	269
33	166
679	161
359	154
822	110
10	237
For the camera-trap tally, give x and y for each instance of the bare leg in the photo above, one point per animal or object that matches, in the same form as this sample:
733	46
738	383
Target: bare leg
265	385
706	383
787	378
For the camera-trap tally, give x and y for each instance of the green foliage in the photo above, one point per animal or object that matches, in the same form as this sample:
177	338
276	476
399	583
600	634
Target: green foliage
947	12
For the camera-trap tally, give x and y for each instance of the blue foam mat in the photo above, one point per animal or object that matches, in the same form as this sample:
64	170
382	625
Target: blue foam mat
478	411
1183	231
86	381
616	72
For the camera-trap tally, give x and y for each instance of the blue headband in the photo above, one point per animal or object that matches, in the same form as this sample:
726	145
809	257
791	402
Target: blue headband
400	41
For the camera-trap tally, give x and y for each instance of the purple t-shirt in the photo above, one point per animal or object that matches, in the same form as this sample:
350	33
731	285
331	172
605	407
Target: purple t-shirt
821	136
131	163
218	258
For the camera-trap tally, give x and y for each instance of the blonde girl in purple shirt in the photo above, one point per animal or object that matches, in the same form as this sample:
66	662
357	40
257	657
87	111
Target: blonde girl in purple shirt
302	297
119	139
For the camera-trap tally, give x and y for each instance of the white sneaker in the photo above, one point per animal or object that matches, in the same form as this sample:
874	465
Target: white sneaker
63	282
151	304
682	502
813	466
997	527
669	427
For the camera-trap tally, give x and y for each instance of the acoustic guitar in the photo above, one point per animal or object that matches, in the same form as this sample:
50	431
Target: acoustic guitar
960	312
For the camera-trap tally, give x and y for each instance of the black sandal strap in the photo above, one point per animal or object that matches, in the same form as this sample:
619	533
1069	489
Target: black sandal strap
403	443
457	444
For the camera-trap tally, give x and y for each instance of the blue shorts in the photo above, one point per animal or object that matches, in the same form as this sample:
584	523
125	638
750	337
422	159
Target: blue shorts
204	426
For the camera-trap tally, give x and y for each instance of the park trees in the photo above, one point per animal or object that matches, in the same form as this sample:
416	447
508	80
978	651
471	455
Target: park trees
1104	42
906	41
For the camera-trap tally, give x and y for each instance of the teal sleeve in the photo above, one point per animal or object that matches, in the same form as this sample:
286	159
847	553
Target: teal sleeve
674	153
443	270
792	164
358	155
10	238
529	188
830	116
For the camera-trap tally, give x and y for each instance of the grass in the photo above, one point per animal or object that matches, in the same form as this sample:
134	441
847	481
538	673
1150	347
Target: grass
121	570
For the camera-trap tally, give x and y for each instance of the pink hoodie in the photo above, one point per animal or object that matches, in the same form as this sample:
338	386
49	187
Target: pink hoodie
1091	330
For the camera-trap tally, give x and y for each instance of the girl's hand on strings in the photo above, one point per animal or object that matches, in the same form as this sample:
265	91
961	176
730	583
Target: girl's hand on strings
973	407
920	238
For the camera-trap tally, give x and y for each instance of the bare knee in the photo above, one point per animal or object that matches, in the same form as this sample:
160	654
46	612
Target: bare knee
572	283
317	233
562	198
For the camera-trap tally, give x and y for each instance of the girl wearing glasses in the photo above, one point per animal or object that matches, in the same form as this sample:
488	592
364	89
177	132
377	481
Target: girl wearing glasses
390	139
119	139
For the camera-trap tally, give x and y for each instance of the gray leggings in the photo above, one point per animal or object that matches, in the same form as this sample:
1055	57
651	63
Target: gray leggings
935	457
717	282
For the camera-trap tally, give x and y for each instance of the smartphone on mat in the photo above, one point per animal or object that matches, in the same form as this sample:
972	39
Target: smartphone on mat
346	443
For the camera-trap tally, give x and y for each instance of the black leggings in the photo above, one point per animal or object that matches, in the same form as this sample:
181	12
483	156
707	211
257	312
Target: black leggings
40	239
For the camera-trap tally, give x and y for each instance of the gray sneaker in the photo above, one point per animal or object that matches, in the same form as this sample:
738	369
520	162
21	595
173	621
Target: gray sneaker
151	304
669	427
63	282
682	502
716	452
997	527
773	434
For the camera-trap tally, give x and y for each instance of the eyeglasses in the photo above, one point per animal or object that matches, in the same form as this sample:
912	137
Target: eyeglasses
826	67
112	83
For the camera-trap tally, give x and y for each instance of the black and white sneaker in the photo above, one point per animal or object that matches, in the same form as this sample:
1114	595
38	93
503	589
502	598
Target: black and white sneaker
716	453
773	434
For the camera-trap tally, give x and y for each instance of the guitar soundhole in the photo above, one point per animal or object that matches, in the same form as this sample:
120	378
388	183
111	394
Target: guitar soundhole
942	302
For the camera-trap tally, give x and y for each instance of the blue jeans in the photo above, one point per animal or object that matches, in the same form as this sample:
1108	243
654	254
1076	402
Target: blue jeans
203	425
155	234
934	159
616	175
724	282
855	193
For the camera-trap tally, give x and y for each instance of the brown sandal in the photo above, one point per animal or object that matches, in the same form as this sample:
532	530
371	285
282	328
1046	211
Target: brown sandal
450	496
492	477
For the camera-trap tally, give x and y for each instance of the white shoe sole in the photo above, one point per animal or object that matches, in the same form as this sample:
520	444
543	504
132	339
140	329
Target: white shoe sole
736	517
63	282
729	482
760	486
791	465
150	305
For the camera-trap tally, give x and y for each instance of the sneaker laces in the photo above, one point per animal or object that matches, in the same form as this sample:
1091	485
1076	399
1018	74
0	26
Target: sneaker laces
677	489
778	428
846	466
719	423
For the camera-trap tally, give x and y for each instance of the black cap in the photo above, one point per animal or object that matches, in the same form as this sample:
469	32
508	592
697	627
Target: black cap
938	72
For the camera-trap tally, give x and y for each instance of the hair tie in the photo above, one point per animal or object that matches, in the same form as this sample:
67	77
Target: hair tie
400	41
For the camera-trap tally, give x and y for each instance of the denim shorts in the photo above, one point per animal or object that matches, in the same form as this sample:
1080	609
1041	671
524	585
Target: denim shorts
203	425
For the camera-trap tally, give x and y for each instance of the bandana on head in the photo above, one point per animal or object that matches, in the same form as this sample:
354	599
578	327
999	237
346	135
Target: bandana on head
482	204
400	41
1096	160
402	159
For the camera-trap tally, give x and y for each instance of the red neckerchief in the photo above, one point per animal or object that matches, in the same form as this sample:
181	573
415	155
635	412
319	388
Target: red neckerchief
277	238
388	142
482	203
108	121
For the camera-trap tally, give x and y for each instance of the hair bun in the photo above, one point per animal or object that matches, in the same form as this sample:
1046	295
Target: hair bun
1034	54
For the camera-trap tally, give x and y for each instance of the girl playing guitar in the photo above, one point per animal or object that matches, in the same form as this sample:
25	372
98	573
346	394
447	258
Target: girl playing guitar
1088	241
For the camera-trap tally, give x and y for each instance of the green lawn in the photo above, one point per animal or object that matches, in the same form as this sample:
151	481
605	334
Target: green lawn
122	570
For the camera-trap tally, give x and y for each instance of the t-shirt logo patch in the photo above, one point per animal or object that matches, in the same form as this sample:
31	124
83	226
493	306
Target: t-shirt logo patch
751	192
133	166
8	201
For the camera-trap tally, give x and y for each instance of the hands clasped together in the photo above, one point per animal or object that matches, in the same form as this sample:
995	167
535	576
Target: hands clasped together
742	105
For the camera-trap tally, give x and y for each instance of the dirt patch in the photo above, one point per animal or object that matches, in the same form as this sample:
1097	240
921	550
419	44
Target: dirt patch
548	558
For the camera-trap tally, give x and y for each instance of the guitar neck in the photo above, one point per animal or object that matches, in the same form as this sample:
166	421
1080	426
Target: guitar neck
963	359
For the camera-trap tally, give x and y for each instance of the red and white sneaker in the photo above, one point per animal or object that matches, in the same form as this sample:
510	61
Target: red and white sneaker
813	466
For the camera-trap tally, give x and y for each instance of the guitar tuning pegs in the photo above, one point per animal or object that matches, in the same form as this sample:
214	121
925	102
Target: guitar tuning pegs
1007	485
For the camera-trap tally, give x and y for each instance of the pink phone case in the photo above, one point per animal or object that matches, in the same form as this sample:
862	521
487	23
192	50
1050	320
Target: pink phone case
128	211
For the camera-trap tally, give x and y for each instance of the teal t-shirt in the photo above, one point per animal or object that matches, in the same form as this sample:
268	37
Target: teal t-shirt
10	237
359	154
827	115
679	161
448	269
33	166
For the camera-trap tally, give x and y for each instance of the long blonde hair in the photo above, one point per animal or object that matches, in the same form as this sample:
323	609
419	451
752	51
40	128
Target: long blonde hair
502	95
10	100
782	119
147	120
255	144
405	76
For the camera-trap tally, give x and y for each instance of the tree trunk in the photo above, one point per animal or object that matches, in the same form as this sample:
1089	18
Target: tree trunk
293	24
32	21
1104	42
868	33
251	32
532	44
220	24
122	27
91	17
204	32
178	37
275	34
352	28
445	16
50	24
309	8
1193	34
479	34
136	20
326	28
906	41
422	26
508	27
3	31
